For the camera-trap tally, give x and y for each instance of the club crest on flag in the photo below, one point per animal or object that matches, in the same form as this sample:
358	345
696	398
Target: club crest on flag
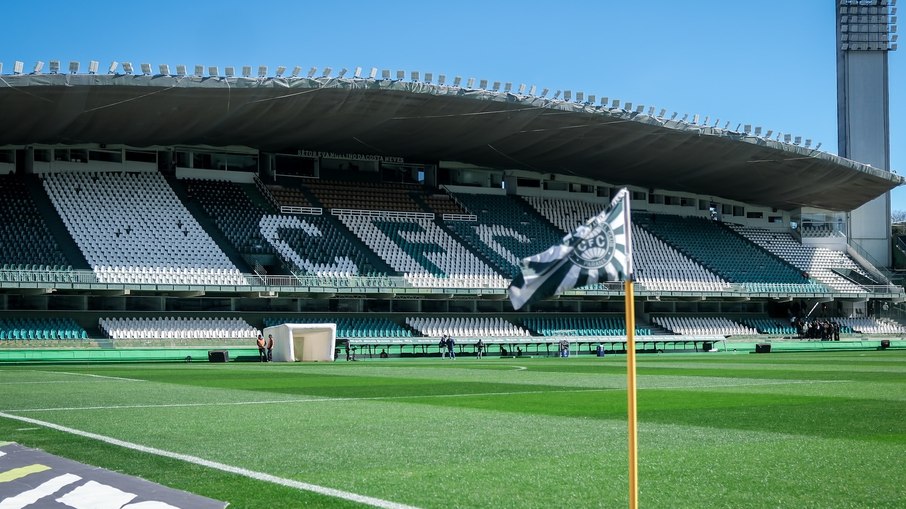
597	251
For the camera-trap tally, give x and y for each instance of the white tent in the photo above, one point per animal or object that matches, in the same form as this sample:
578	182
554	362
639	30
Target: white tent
295	342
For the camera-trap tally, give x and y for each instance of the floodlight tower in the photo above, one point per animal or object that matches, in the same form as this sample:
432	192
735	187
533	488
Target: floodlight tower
866	32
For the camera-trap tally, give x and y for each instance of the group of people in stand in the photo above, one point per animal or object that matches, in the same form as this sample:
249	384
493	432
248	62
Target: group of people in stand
825	330
265	348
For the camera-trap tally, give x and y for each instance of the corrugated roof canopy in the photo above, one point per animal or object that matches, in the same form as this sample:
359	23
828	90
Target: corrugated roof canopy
419	121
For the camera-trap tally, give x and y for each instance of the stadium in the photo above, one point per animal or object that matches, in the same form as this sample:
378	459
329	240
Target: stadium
155	218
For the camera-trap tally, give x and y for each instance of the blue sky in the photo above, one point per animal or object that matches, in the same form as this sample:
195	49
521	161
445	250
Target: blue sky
768	62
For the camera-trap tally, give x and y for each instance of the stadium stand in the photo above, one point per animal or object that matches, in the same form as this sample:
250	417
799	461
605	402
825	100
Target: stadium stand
350	327
421	250
770	326
25	240
41	328
177	328
609	326
466	327
133	229
702	326
232	211
658	266
817	262
725	252
869	325
506	231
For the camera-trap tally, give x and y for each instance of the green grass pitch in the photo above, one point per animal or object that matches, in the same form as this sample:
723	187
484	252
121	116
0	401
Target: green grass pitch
718	430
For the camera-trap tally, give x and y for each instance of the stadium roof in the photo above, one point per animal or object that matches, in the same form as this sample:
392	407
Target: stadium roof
426	122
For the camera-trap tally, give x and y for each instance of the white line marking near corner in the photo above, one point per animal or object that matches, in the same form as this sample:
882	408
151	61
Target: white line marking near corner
195	460
123	379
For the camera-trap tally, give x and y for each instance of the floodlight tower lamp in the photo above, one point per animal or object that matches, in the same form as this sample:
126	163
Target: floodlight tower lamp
496	86
73	67
533	90
413	76
18	67
673	117
507	87
567	95
521	89
400	75
797	140
55	67
230	71
580	97
342	72
93	66
327	71
651	111
727	125
685	117
457	81
442	79
808	143
113	67
604	101
373	73
127	67
262	71
544	92
246	71
280	70
180	70
628	106
357	73
312	72
758	131
818	146
747	128
470	83
429	77
296	71
591	99
662	113
556	95
146	69
615	104
164	69
39	66
768	134
213	71
483	84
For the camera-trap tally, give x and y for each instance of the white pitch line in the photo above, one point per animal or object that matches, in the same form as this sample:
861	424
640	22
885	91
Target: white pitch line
195	460
95	376
392	398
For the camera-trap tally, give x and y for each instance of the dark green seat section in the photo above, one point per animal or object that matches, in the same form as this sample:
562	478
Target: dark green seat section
497	216
727	253
770	326
323	251
233	212
582	326
25	240
41	328
350	327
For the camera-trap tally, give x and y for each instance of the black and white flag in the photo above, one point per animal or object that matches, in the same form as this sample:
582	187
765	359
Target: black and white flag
599	250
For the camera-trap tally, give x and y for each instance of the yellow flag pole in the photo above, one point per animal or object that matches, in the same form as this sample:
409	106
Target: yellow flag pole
630	392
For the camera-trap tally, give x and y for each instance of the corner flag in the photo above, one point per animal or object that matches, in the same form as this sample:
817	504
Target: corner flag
599	250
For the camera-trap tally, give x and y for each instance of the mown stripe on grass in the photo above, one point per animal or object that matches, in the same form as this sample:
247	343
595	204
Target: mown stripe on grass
260	476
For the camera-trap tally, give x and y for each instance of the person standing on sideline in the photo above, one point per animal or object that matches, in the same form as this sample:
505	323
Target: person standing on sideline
479	349
443	346
450	344
262	352
270	347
